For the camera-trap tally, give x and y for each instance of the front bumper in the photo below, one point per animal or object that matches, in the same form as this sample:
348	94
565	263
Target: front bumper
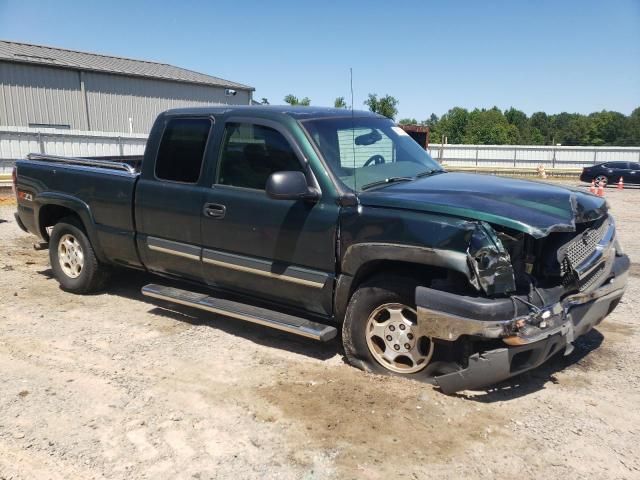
530	337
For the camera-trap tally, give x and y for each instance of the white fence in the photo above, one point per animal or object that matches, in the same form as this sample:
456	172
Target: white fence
17	142
530	156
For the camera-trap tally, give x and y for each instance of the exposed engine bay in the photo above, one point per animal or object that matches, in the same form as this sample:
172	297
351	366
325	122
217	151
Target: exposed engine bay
506	262
532	295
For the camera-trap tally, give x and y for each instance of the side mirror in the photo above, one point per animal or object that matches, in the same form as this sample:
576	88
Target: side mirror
290	186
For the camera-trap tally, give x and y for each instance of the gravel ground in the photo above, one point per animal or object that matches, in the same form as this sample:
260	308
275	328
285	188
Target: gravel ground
114	386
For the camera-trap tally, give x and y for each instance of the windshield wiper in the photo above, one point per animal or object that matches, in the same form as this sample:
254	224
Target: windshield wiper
386	181
428	173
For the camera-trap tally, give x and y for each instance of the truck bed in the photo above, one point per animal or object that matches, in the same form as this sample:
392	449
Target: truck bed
101	190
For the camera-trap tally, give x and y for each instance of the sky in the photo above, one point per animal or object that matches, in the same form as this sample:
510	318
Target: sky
571	55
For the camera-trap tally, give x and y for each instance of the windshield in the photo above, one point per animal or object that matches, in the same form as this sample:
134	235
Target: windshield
366	152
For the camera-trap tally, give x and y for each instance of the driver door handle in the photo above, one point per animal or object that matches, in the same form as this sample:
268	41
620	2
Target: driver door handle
214	210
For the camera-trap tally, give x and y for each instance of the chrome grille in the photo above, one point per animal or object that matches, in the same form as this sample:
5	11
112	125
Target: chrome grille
582	246
592	277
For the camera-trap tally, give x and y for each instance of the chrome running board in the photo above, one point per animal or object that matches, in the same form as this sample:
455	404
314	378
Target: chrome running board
241	311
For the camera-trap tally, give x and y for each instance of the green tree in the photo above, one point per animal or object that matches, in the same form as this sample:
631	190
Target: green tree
431	122
489	127
340	103
609	128
492	126
519	119
408	121
264	101
571	129
541	128
633	128
387	105
293	100
451	125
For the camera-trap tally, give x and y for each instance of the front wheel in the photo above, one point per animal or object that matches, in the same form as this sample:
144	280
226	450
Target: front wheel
73	259
601	180
380	331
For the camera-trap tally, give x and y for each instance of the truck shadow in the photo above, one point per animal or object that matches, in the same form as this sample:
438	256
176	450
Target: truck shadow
540	377
128	285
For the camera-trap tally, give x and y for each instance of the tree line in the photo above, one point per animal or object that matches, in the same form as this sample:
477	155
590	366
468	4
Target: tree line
511	127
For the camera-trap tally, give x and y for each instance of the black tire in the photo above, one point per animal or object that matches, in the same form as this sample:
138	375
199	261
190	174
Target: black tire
607	180
365	300
93	275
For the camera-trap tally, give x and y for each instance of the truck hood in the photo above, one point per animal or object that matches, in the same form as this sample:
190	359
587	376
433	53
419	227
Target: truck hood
532	207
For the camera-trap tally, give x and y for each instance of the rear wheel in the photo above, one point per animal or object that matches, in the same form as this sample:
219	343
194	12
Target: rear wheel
380	331
73	259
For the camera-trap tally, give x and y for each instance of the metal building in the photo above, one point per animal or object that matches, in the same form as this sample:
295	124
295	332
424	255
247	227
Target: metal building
45	87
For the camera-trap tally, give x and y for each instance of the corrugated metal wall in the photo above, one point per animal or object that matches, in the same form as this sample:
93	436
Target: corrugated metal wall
32	94
17	142
114	99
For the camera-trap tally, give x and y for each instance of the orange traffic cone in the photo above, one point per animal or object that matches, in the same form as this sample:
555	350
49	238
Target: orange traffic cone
620	184
600	191
592	188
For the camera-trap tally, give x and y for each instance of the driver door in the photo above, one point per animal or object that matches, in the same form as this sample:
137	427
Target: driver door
278	250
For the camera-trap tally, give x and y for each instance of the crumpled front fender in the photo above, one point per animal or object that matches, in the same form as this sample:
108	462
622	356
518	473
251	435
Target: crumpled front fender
489	262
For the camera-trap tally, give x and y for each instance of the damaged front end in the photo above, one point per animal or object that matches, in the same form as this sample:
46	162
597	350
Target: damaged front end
518	269
489	262
533	297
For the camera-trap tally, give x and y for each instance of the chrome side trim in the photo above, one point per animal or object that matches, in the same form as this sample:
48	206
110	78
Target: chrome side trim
173	248
292	274
82	161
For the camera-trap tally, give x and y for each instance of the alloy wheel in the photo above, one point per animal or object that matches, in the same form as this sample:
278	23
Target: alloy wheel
70	256
394	341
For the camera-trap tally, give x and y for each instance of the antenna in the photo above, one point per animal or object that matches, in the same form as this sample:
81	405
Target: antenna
353	130
351	84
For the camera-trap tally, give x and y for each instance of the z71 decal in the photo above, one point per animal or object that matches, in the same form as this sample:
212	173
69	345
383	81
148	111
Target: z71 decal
25	196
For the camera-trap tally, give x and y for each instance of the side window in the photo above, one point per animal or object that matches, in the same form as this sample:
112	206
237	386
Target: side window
182	149
250	153
617	165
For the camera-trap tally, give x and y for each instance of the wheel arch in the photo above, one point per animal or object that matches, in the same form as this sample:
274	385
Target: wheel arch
54	207
417	264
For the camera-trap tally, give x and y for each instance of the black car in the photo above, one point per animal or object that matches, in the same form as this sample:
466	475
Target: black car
610	172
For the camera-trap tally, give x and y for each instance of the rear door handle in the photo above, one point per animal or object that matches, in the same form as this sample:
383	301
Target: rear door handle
214	210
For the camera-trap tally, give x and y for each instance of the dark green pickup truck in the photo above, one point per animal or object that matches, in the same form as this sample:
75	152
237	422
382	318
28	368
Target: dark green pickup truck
314	220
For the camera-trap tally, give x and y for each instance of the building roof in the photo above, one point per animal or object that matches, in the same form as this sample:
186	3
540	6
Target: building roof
58	57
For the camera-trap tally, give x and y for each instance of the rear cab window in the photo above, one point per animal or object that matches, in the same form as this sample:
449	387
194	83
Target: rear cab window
182	149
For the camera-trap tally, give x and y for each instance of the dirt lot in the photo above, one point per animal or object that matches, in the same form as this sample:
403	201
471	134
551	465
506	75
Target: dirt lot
114	386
